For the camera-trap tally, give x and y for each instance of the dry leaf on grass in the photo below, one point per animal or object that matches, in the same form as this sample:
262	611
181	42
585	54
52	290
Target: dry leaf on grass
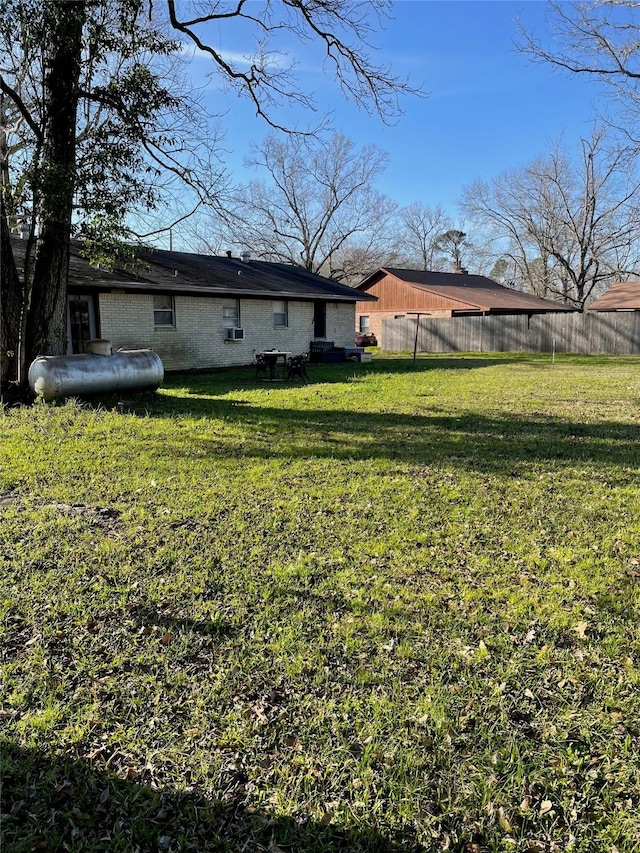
504	821
545	807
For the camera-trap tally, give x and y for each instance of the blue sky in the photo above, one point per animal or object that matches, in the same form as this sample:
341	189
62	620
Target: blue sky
489	108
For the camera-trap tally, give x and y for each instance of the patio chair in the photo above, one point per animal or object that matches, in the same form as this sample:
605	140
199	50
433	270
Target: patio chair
262	366
297	367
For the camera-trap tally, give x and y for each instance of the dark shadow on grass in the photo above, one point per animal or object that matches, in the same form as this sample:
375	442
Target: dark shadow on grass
147	616
490	443
103	802
501	443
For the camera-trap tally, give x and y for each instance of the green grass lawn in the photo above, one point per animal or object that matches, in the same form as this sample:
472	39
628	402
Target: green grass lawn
396	608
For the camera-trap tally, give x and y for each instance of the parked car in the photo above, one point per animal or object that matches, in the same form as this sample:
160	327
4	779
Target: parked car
366	339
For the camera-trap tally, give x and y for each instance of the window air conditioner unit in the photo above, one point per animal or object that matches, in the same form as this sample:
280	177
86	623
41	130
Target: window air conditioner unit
235	334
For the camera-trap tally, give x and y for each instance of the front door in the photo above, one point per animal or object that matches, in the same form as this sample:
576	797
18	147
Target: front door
82	323
319	319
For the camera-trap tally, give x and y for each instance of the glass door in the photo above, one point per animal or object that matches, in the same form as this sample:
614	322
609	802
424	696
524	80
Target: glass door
82	323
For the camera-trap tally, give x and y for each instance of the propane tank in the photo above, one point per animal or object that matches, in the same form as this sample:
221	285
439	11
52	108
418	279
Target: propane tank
52	376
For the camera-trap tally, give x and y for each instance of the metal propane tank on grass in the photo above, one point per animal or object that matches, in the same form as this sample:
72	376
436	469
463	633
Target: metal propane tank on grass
99	371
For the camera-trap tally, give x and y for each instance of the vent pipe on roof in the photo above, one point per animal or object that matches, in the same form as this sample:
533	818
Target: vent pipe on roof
245	256
228	253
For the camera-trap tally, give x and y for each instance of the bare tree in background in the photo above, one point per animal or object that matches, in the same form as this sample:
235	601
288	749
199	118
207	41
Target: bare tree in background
359	257
317	208
601	41
568	227
421	227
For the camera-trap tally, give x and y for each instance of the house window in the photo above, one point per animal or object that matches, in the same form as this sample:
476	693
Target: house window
364	324
280	315
230	313
164	313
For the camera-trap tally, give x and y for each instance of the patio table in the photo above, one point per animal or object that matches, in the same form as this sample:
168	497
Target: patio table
272	357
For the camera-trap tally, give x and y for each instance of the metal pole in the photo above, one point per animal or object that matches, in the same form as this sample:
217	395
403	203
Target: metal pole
418	314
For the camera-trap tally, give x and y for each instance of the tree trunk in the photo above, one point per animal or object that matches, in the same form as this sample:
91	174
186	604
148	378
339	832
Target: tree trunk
46	328
11	298
11	291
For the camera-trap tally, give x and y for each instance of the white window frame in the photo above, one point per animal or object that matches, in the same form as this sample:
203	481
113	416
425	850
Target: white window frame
363	324
165	311
231	313
283	314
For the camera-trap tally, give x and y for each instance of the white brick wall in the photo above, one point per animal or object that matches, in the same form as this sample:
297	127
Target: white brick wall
341	322
198	339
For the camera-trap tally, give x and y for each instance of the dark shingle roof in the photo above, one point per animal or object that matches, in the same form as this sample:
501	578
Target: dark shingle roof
184	272
622	296
232	275
477	291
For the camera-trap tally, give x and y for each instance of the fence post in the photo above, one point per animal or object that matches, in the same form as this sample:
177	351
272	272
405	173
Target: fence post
417	314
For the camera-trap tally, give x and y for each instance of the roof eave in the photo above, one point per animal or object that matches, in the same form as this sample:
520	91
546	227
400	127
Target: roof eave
203	290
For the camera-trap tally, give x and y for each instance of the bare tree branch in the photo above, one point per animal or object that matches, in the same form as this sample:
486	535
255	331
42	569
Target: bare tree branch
21	106
326	22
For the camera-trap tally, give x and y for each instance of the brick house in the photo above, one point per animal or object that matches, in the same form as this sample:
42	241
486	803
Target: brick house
402	292
199	311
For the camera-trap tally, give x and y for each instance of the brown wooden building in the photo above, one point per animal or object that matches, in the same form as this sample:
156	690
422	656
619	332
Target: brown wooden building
622	296
440	294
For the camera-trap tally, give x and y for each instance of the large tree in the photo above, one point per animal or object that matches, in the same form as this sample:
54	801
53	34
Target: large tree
88	130
569	225
93	120
316	207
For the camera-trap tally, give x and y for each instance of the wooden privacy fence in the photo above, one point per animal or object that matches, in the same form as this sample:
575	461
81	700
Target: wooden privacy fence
611	333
